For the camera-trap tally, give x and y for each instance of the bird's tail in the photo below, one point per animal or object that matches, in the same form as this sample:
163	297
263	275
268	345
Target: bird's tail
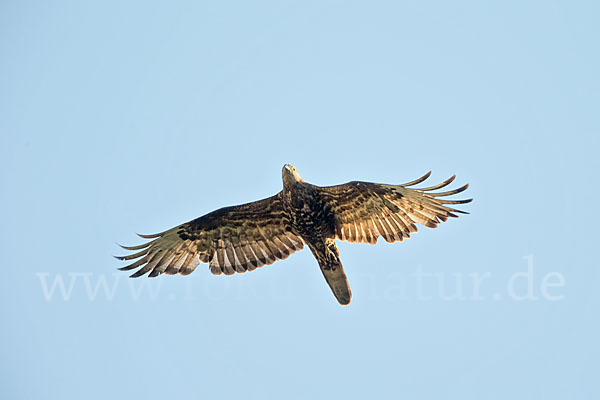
333	271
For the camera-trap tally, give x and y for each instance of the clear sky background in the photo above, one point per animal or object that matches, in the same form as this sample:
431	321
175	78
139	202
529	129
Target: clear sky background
124	117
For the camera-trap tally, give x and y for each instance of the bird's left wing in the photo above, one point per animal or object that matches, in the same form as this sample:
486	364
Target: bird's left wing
363	211
231	239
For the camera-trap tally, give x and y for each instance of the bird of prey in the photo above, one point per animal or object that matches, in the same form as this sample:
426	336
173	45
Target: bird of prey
245	237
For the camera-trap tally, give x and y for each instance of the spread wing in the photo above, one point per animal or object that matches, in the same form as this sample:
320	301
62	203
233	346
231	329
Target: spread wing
363	211
231	239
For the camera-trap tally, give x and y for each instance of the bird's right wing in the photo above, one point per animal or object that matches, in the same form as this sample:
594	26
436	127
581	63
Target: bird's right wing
363	211
231	239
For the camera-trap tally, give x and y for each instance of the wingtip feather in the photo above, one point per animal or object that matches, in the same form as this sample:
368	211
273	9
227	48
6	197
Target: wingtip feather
419	180
138	247
440	185
152	236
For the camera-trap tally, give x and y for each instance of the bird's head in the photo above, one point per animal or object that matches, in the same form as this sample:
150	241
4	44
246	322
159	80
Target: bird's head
290	175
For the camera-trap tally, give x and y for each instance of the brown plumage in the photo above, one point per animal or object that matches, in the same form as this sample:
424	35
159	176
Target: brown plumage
245	237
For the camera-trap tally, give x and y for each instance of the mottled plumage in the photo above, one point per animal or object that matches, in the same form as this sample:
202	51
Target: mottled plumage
245	237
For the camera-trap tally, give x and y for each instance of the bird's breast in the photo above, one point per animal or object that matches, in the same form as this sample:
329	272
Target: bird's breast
308	213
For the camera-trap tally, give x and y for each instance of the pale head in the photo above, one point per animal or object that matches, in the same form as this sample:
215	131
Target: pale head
290	175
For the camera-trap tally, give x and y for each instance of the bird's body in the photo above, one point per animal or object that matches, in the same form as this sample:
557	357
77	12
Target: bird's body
312	218
242	238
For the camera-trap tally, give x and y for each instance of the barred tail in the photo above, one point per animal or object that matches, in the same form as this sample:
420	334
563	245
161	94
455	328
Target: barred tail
333	271
336	279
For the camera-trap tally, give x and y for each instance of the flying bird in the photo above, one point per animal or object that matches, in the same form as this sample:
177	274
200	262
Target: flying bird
245	237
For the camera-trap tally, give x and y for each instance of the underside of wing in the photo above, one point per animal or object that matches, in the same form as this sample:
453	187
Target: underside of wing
363	211
231	239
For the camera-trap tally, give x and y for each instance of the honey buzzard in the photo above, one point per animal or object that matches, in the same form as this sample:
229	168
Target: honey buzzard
245	237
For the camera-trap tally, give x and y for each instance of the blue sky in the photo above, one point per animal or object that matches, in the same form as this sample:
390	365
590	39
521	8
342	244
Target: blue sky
124	117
